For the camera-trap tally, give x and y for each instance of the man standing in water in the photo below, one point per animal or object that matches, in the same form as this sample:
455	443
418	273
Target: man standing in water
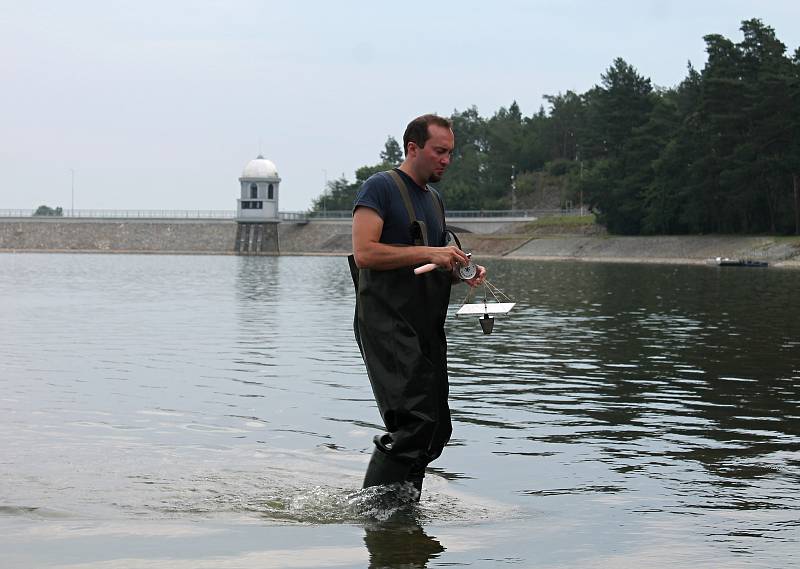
398	224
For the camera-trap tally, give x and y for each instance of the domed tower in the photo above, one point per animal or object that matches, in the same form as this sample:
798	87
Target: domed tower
257	209
259	195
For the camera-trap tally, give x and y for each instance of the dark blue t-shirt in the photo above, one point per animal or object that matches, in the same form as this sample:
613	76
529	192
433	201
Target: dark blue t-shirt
380	193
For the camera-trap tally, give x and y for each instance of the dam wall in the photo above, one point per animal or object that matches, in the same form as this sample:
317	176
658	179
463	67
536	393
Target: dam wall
207	236
333	237
118	236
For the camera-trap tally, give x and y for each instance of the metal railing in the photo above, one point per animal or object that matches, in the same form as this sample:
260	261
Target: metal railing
125	213
284	215
513	213
451	214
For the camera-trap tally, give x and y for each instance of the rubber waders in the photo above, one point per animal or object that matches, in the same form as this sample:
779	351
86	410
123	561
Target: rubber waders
384	469
399	326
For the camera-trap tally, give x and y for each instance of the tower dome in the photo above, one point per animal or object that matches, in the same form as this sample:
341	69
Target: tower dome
260	169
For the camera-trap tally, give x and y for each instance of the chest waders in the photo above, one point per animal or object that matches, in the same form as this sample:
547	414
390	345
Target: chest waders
399	326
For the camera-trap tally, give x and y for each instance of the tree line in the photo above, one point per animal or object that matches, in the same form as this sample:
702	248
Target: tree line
718	153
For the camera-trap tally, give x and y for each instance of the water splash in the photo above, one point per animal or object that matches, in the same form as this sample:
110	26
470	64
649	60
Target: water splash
329	505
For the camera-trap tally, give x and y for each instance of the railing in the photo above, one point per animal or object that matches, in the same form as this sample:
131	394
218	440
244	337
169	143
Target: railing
451	214
125	213
329	214
513	213
284	215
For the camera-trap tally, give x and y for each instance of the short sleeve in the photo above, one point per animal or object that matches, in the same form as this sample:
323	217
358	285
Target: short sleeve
374	194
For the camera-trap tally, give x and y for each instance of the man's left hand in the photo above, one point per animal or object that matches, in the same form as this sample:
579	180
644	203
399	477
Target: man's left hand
479	278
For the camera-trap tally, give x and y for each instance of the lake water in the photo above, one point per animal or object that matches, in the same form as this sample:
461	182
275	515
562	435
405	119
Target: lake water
213	412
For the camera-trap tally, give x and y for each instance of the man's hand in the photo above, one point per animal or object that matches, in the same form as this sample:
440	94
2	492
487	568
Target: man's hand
479	278
448	257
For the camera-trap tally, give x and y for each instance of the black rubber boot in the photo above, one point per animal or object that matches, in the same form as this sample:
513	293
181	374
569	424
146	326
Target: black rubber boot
383	468
415	476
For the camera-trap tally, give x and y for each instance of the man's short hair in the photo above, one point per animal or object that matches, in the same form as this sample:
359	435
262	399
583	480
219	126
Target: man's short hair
417	130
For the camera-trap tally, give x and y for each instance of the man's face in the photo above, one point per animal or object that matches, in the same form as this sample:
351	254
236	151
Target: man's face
434	158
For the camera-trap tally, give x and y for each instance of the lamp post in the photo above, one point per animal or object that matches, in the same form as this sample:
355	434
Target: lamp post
324	193
72	193
513	189
580	183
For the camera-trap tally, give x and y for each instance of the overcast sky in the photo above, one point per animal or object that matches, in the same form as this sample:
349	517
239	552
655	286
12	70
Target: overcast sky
160	104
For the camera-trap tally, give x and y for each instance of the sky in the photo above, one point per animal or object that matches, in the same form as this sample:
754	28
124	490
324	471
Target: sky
142	104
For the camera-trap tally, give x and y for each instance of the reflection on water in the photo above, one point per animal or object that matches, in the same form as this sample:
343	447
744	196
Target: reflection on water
400	543
619	413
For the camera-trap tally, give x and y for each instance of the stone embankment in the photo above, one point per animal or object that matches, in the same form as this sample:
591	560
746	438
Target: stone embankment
323	237
591	243
118	236
213	237
662	249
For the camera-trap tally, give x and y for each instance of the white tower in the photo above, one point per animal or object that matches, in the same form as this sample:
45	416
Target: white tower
259	196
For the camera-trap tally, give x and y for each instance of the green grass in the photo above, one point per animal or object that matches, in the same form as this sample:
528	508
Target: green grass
562	221
788	239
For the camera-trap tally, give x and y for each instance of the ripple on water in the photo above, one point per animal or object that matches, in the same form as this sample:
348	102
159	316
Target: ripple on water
279	501
31	512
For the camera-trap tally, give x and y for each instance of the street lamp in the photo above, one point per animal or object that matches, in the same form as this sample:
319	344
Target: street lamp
513	189
577	157
324	193
72	202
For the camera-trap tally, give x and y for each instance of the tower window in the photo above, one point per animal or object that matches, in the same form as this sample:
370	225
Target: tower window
253	191
270	193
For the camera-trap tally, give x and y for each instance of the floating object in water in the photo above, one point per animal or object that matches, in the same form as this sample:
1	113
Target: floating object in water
727	262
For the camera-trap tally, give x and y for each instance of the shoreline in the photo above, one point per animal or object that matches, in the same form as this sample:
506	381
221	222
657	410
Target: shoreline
550	243
792	264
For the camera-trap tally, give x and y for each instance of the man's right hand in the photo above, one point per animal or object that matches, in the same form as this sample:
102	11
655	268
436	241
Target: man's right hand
448	257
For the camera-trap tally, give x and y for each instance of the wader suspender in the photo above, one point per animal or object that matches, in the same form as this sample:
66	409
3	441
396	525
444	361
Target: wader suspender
400	183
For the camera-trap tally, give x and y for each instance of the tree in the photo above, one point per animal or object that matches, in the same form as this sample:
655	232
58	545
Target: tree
565	121
793	154
340	193
717	153
743	173
619	104
462	187
616	113
391	154
772	124
45	210
668	195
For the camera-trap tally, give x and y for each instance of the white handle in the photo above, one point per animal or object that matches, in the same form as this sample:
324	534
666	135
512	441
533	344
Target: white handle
425	268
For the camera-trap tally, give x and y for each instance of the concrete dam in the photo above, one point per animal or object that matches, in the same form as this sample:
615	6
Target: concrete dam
191	236
333	237
220	236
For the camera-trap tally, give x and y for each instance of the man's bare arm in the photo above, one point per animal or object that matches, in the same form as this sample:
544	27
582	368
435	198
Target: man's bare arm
370	253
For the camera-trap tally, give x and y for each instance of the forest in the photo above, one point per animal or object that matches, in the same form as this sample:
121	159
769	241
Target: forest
718	153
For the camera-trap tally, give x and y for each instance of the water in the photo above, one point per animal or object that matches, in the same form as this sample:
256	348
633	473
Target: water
214	412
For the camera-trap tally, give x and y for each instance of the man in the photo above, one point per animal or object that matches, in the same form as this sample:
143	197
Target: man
398	224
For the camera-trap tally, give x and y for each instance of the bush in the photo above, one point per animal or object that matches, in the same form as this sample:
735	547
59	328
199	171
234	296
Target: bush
45	210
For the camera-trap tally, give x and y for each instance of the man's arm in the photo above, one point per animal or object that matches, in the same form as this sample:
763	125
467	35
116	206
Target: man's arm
370	253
